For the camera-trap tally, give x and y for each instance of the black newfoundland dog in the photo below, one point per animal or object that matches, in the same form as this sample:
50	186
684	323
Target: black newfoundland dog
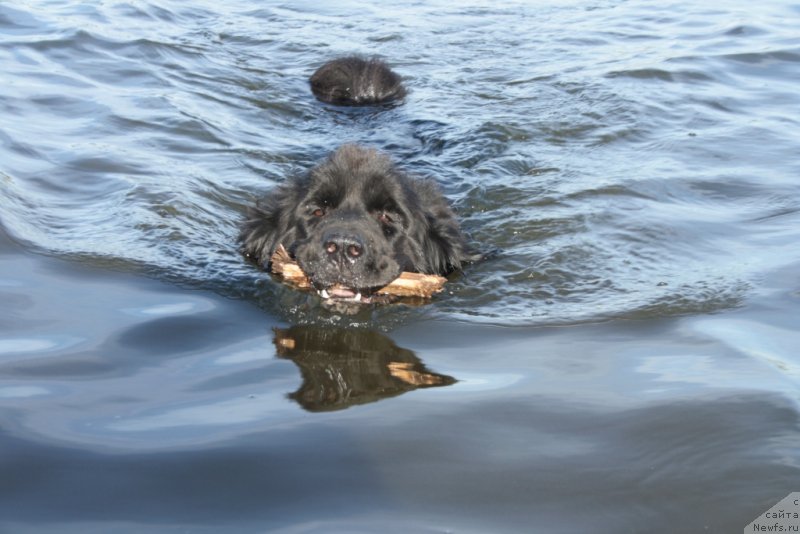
354	223
356	81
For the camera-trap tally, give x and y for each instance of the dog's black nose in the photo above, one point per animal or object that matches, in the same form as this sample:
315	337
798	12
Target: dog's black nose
341	246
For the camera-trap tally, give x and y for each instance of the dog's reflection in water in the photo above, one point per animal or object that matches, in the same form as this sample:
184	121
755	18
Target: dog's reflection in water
343	368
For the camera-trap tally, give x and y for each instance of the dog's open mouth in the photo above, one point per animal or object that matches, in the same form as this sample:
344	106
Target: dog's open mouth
340	292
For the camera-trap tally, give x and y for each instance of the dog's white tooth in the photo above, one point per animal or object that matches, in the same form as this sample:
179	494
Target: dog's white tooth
324	294
357	298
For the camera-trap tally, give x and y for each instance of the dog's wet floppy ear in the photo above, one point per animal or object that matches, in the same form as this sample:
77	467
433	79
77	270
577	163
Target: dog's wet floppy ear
269	223
444	247
355	81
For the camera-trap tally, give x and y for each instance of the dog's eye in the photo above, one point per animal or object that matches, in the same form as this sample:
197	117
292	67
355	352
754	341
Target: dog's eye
385	218
319	212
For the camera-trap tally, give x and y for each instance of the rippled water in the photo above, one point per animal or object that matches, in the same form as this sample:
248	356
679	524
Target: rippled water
626	161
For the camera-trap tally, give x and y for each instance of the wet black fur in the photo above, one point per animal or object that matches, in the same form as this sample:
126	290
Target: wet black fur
357	195
355	81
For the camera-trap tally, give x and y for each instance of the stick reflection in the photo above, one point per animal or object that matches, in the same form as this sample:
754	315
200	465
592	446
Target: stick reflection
343	368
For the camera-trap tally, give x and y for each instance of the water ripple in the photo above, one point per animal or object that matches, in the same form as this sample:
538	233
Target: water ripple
622	166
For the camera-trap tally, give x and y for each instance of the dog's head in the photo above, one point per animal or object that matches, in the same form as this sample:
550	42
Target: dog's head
354	223
356	81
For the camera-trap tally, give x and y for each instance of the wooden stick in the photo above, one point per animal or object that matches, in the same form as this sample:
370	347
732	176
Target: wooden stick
406	285
287	268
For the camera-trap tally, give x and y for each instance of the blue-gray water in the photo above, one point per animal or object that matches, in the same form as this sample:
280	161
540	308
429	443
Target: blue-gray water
627	362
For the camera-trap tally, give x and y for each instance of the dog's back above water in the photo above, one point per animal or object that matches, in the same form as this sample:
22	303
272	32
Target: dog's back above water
355	81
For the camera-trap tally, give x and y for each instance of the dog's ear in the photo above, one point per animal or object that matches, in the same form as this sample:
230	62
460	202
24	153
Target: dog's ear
444	248
269	223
